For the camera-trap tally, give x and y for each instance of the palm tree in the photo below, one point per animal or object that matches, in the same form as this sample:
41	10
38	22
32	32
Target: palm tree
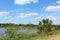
46	25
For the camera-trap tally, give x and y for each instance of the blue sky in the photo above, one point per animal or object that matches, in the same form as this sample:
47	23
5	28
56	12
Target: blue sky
29	11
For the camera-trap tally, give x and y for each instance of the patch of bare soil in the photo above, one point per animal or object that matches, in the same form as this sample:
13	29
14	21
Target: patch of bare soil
55	37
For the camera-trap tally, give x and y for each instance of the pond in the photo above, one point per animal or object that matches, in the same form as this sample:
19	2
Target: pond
21	31
2	32
27	31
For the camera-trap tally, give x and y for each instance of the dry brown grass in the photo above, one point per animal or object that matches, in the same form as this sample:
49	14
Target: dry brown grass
55	37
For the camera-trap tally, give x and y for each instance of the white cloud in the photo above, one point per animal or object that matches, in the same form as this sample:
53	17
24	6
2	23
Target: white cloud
51	17
8	17
18	10
26	15
4	13
58	2
53	8
39	17
23	2
11	19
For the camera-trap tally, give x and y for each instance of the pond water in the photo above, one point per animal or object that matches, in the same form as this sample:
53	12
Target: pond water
27	31
2	32
22	31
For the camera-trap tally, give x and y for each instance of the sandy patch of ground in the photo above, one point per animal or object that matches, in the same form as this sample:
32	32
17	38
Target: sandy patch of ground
55	37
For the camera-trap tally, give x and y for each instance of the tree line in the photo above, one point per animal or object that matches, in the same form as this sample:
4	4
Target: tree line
44	26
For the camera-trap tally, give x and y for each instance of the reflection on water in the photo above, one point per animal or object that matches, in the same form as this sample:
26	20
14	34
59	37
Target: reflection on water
22	31
27	31
2	32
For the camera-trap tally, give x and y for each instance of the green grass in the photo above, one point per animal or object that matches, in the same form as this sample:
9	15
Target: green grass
13	29
21	37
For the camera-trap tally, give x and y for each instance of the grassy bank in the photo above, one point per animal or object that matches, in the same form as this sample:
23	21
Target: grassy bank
30	36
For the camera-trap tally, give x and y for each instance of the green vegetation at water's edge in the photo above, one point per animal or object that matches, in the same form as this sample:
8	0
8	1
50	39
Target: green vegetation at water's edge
21	26
44	28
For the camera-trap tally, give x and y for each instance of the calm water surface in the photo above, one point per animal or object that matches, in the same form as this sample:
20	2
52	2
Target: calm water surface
3	32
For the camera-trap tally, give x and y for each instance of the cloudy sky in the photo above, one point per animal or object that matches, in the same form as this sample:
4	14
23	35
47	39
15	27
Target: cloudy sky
29	11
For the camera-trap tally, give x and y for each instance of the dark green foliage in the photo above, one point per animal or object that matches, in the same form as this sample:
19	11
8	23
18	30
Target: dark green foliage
45	26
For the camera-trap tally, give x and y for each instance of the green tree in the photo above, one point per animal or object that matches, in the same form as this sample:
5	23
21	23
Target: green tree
40	27
45	26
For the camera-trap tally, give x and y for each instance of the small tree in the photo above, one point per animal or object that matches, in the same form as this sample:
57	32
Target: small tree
45	26
40	27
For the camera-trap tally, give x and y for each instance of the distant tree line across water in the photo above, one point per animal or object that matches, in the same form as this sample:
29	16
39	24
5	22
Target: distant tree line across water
44	26
12	24
45	22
